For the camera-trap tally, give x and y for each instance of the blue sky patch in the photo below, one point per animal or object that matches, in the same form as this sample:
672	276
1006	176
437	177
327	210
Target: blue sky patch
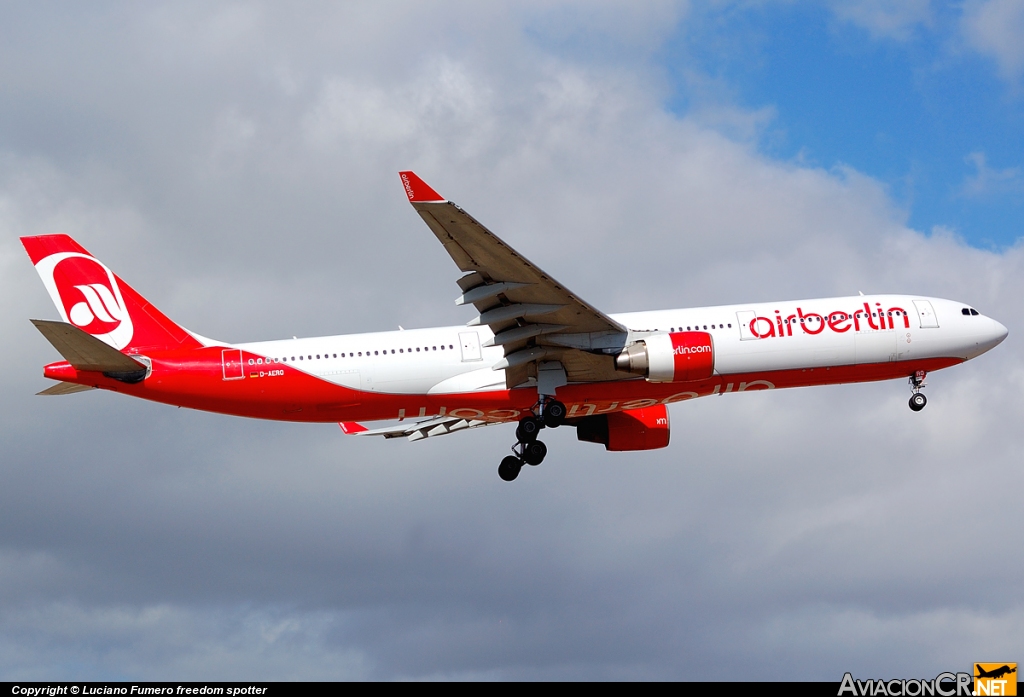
917	108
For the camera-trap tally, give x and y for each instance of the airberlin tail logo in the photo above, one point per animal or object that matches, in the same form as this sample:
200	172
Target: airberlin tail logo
87	295
99	304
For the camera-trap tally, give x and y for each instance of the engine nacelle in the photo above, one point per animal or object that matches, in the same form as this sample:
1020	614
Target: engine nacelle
677	357
636	429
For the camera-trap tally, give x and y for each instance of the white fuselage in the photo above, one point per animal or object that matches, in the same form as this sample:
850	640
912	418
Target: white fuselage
748	338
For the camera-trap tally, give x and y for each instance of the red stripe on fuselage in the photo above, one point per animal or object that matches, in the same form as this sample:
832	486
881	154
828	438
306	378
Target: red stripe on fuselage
277	391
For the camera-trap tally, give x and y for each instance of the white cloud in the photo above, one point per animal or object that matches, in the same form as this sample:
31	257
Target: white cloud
987	180
995	28
885	18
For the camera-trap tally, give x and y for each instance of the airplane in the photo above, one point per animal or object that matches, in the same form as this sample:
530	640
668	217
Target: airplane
995	673
536	354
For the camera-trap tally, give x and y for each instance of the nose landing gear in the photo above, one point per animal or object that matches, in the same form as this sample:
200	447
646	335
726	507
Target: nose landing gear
917	400
528	450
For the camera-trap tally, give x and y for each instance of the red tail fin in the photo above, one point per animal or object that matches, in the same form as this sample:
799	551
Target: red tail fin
89	296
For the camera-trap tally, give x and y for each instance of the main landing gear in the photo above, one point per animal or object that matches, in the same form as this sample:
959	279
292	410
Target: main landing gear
528	450
917	400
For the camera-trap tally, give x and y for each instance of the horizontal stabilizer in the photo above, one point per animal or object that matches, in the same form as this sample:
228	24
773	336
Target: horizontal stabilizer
84	351
64	388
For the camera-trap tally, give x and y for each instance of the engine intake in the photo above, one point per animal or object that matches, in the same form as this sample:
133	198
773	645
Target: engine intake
676	357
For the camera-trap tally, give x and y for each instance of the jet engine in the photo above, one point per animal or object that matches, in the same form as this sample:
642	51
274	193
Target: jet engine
636	429
676	357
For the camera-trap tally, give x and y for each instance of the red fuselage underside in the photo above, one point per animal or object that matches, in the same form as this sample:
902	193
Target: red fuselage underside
194	379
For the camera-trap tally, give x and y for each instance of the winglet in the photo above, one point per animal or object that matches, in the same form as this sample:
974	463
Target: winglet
350	428
417	190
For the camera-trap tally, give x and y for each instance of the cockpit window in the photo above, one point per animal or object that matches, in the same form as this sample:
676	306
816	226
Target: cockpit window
965	311
973	311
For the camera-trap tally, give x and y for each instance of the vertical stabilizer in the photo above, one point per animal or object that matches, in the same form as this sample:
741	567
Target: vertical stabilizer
91	297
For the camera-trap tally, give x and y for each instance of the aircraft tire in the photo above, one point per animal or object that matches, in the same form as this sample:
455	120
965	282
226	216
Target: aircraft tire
917	401
509	468
535	452
527	430
554	414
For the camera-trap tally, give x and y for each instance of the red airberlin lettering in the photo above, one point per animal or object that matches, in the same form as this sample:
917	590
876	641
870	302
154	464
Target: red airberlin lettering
838	321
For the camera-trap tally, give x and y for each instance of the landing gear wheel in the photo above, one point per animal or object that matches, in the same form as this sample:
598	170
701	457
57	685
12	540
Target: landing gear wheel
509	468
534	453
554	414
528	429
917	401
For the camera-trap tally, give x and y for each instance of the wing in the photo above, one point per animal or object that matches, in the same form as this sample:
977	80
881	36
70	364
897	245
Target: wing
417	430
534	317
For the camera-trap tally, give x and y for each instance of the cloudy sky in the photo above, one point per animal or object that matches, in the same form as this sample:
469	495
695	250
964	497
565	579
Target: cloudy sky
237	164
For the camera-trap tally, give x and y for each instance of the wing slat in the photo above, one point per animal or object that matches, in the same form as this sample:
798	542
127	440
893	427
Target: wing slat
416	430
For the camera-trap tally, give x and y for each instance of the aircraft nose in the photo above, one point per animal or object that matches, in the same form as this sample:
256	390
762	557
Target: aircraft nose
992	336
988	337
999	333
